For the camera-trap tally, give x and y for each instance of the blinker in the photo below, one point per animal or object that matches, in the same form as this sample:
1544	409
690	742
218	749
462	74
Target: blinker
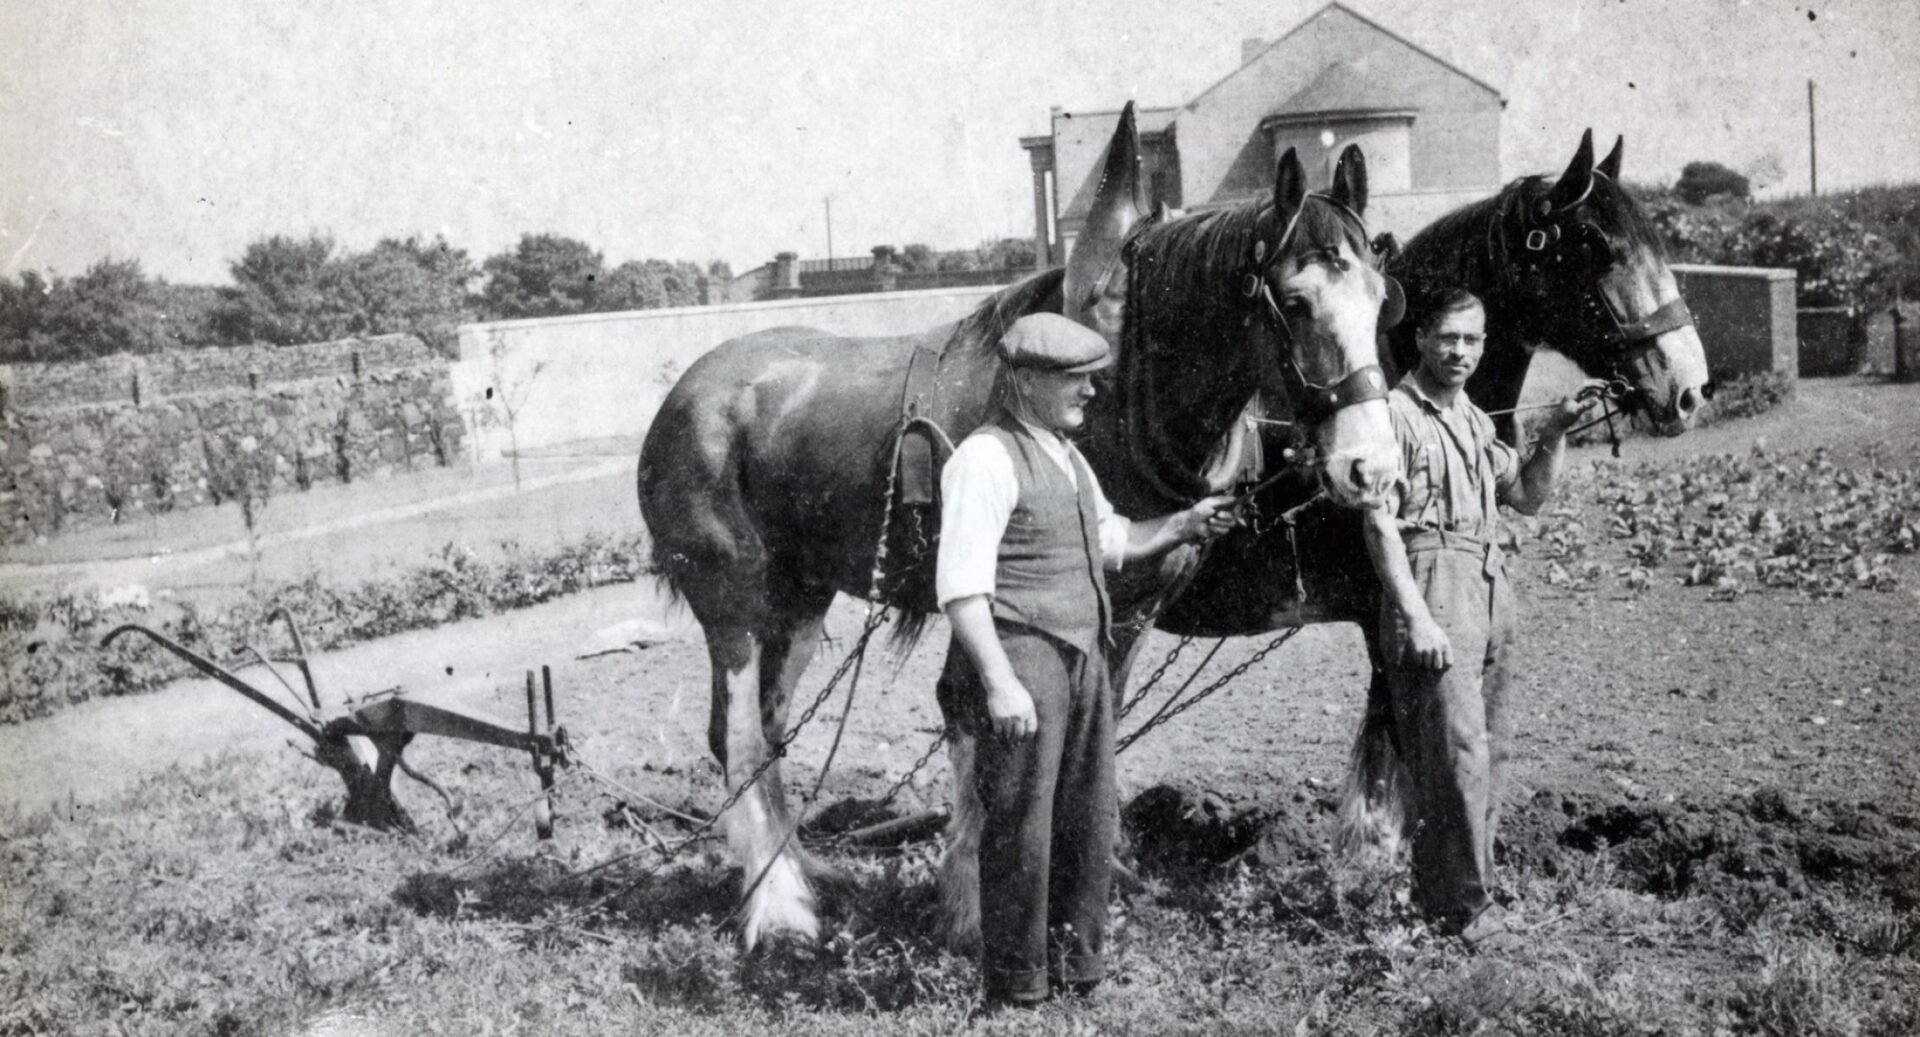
1393	309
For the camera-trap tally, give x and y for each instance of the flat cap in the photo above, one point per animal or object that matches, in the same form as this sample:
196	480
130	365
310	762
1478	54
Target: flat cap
1051	342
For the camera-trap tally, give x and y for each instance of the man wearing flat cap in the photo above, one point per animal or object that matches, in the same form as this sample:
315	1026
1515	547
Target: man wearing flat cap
1025	537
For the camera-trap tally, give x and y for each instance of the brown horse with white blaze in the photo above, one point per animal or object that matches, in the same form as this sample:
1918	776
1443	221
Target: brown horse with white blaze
764	479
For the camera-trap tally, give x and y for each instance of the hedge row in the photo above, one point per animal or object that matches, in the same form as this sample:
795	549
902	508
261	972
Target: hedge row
1859	249
53	658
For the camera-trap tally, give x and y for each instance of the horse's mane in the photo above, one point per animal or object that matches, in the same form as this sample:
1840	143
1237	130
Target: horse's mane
982	329
1196	259
1470	247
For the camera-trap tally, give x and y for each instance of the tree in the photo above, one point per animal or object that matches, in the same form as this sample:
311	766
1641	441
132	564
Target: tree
649	284
280	295
916	258
23	309
1700	181
1007	254
402	285
112	308
545	275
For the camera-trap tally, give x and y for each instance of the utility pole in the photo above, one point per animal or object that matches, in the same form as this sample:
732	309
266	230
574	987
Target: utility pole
1813	146
829	202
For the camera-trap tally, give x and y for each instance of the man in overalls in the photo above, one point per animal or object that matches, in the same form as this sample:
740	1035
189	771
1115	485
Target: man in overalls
1025	533
1447	618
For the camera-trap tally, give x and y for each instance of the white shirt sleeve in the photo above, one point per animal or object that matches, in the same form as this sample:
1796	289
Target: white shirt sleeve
978	492
1114	527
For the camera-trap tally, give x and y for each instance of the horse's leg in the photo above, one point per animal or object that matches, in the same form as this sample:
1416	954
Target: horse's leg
1374	802
753	823
782	900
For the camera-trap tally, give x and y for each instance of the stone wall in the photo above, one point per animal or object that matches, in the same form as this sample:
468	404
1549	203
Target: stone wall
93	442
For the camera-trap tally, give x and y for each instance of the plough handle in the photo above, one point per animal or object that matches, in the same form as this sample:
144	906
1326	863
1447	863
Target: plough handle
221	674
299	655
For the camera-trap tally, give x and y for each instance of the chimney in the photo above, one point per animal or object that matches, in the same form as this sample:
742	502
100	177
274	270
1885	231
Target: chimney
786	276
885	273
1251	47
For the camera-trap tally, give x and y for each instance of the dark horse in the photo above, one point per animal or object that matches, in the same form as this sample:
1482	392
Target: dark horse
1567	263
765	476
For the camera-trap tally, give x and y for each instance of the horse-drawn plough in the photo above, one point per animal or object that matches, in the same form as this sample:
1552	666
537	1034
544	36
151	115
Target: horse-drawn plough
387	722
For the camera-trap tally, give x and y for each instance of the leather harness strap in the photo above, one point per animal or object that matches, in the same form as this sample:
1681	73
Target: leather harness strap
924	446
1671	317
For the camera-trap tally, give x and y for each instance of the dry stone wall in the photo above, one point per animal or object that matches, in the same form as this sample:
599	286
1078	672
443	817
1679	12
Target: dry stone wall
100	441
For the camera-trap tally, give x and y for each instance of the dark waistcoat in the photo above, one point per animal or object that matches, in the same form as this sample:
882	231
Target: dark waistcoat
1049	575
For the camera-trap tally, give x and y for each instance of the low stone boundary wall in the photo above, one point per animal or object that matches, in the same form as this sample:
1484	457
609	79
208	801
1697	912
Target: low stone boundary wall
1746	317
96	441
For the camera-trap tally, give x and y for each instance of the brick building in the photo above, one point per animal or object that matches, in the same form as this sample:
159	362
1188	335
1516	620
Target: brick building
1431	132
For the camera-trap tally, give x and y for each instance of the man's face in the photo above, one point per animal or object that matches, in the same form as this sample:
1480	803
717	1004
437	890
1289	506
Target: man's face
1450	348
1057	400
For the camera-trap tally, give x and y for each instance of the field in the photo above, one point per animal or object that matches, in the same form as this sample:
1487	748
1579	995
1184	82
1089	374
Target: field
1715	826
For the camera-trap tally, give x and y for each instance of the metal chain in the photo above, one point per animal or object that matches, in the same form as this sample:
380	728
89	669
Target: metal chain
1174	707
918	765
1184	685
1154	677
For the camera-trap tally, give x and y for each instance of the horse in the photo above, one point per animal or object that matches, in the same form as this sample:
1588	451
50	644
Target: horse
1570	263
774	475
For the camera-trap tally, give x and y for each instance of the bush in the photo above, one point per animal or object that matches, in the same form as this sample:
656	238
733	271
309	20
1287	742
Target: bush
52	656
1700	181
1856	249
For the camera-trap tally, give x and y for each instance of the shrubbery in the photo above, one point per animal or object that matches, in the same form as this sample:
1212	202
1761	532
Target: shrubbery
52	654
1700	181
1856	249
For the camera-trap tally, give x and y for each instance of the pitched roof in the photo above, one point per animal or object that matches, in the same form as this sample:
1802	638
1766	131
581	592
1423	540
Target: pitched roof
1370	23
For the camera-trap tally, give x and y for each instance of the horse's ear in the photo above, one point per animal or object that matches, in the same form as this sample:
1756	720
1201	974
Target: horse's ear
1611	164
1115	210
1577	182
1289	188
1350	180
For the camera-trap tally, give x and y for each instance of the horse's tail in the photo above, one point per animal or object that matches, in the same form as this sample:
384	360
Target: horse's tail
1374	803
908	625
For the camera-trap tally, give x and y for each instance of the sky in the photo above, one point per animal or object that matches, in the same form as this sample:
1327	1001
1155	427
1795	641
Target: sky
174	132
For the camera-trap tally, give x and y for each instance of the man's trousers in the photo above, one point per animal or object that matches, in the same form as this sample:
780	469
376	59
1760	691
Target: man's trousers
1049	818
1453	724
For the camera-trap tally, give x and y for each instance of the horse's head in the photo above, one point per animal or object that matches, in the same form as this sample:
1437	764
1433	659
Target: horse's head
1581	249
1322	295
1283	295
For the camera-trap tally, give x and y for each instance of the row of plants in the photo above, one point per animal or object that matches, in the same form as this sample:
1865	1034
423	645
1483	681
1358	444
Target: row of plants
51	656
1732	525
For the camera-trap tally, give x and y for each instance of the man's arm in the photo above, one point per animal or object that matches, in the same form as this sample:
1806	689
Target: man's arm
978	492
1009	704
1150	537
1534	488
1429	647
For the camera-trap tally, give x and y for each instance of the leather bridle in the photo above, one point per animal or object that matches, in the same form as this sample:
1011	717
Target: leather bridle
1552	239
1313	402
